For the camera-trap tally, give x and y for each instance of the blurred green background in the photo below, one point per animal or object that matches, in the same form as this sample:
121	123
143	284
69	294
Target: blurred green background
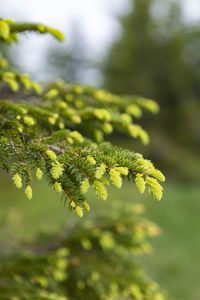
155	54
175	260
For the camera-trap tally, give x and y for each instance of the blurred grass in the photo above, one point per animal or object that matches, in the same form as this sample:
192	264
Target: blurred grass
175	263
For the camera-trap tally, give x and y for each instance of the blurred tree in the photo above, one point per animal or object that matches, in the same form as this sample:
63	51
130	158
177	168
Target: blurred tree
72	62
157	55
68	61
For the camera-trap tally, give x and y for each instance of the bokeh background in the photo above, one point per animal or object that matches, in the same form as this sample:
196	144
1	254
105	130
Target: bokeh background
144	47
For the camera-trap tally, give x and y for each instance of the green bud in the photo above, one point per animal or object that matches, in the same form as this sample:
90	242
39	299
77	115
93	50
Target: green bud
157	174
51	93
39	174
104	181
133	130
98	135
78	89
86	206
12	83
56	170
76	119
134	110
100	190
79	211
56	33
29	121
115	178
4	29
58	187
85	185
100	171
122	170
37	88
126	118
106	240
144	137
17	180
107	128
102	114
73	204
77	136
140	183
69	139
52	120
61	125
51	154
155	188
28	192
91	160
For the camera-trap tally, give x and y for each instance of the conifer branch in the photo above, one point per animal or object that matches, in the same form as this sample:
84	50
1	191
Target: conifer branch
60	132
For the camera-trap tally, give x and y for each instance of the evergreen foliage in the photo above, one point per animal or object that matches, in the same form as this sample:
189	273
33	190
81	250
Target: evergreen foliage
57	132
87	263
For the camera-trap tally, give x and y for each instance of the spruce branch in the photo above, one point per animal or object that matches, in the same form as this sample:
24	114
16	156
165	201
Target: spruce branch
58	132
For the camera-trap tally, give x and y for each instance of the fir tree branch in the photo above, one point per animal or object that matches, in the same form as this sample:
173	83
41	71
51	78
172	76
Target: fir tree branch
43	133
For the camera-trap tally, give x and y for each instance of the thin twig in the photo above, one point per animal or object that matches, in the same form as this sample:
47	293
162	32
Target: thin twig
56	149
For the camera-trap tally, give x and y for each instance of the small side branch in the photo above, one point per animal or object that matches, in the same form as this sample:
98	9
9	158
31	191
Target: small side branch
56	149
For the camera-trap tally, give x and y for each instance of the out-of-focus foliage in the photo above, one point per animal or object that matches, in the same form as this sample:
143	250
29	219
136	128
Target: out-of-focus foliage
69	61
95	259
176	270
157	55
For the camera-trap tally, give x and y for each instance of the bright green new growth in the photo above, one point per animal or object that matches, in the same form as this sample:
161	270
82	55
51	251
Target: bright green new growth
17	180
140	183
100	190
28	192
100	171
57	187
56	170
115	178
58	131
39	174
85	185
